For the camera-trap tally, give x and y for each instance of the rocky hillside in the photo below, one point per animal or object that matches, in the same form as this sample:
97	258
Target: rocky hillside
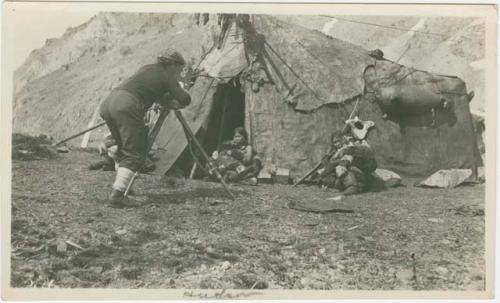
442	45
91	39
97	55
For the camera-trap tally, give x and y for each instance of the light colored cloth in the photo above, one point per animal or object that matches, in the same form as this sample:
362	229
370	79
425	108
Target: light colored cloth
446	178
123	177
390	178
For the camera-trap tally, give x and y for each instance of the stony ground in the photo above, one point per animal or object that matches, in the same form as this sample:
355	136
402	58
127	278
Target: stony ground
191	235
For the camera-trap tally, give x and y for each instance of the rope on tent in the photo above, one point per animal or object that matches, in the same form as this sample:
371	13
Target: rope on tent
223	57
204	56
292	70
309	52
385	26
278	73
300	43
412	71
404	53
395	28
352	112
204	96
218	77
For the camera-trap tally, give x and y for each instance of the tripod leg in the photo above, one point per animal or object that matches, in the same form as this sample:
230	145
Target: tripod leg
151	139
190	136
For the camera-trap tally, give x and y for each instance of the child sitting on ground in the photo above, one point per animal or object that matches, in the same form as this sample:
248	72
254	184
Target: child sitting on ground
237	161
107	151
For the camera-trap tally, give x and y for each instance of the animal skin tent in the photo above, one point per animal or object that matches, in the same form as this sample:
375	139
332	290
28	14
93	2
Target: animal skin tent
294	87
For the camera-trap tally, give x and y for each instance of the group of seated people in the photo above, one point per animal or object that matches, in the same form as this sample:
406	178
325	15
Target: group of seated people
235	159
347	168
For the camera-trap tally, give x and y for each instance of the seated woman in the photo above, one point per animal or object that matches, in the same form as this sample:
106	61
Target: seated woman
237	161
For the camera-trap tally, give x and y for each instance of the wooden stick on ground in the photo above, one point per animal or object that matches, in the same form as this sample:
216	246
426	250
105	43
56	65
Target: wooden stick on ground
79	134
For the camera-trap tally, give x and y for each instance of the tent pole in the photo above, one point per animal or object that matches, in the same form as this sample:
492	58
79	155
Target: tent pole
248	109
193	170
223	119
92	121
202	133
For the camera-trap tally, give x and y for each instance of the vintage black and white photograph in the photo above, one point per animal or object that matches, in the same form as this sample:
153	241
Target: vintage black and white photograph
250	150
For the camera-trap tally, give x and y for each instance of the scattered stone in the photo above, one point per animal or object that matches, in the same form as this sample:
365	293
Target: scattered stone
203	267
441	270
340	248
225	265
209	283
249	281
121	231
62	149
74	245
131	273
25	152
469	211
368	238
336	198
125	50
390	178
354	227
311	223
435	220
61	247
260	285
405	274
215	202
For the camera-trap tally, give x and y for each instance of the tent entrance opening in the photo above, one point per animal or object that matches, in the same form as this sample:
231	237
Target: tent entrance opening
228	113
